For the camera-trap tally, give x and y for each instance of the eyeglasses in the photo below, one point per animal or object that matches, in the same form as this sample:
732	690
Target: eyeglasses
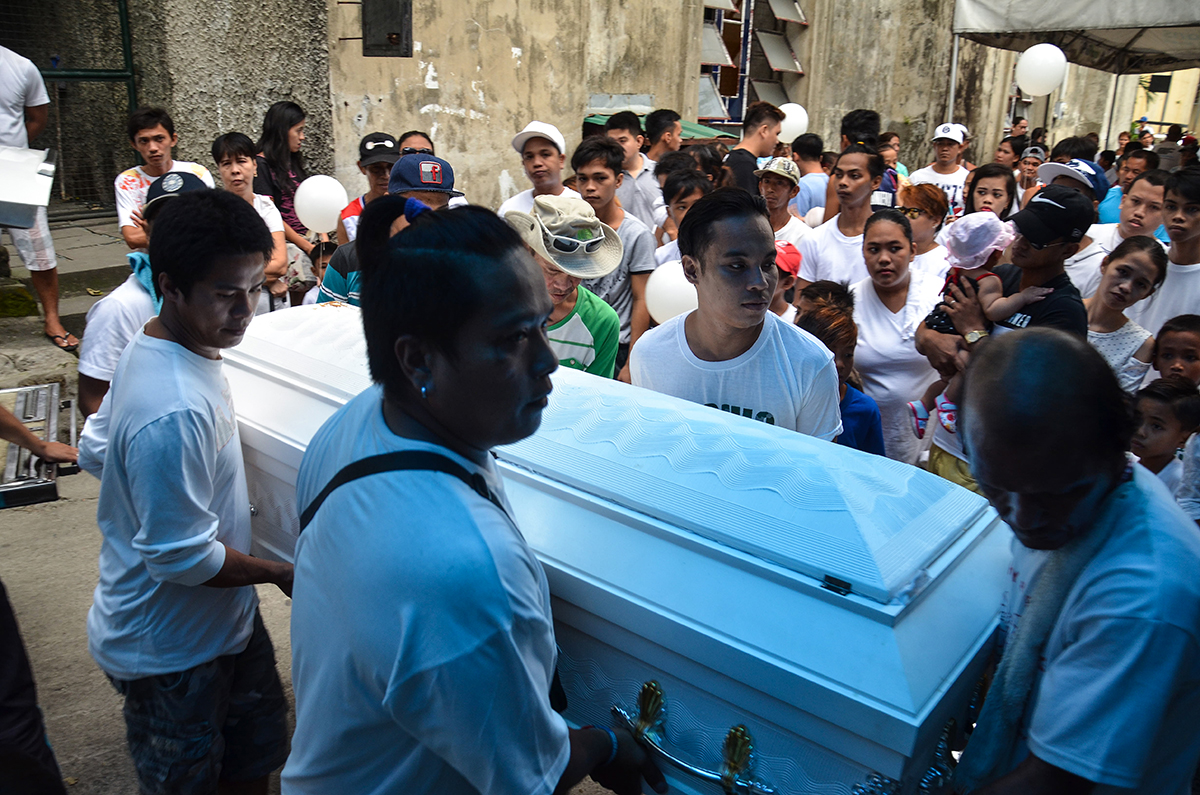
569	245
408	150
911	213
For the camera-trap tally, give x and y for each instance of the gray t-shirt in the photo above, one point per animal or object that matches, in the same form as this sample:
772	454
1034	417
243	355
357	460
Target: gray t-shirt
616	288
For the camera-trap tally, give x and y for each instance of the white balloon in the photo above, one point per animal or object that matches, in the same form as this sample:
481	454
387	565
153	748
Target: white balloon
319	201
669	293
795	122
1041	69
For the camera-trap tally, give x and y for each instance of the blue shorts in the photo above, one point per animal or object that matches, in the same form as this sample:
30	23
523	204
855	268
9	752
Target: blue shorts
225	720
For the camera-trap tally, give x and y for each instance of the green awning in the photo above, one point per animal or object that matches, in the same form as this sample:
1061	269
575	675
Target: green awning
690	128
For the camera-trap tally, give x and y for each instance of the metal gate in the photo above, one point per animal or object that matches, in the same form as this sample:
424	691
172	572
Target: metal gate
84	52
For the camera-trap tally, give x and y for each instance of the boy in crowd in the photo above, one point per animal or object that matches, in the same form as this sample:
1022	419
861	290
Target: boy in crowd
583	331
1168	413
778	184
24	111
1180	293
640	193
859	127
115	319
598	165
945	171
1141	211
664	132
787	260
1129	167
833	251
806	154
760	134
732	352
542	149
427	179
320	255
175	623
682	190
377	153
152	134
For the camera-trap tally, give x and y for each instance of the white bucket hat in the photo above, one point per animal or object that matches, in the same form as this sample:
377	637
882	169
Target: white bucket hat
567	232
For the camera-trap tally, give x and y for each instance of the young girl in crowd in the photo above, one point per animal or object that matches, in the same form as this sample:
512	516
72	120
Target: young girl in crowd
1168	413
1133	271
281	166
831	320
991	187
975	243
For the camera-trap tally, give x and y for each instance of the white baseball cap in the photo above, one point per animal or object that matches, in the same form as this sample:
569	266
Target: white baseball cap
955	132
539	129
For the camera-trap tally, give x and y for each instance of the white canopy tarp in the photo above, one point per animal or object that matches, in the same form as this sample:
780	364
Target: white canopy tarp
1116	36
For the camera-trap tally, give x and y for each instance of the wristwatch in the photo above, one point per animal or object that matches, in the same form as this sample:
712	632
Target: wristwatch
973	337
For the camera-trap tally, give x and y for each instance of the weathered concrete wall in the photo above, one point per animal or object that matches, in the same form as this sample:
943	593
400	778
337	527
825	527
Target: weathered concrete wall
217	66
482	69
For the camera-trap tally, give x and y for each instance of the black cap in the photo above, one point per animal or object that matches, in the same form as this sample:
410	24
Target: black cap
378	147
1055	212
170	184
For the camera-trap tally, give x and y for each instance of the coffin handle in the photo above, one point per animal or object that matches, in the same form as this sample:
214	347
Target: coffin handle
737	751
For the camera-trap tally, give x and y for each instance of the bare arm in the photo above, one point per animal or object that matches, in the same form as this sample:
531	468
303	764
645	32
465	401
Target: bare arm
135	236
240	569
91	394
639	320
1035	777
940	349
13	430
292	236
35	120
832	205
342	237
998	306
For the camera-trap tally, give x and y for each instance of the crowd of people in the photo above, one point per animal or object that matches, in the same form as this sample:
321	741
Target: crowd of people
1014	327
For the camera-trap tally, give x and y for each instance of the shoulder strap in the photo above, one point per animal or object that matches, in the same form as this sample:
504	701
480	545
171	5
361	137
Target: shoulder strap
399	461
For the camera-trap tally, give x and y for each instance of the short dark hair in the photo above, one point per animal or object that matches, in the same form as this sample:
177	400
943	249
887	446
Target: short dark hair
697	230
674	161
1018	143
427	281
685	183
1180	324
808	147
322	248
195	230
984	172
147	119
708	160
826	292
1149	155
1108	156
760	113
1134	145
830	324
1055	369
659	122
1017	120
625	120
602	148
875	164
1075	148
888	135
1180	395
412	134
829	159
861	125
1148	246
1185	182
1174	132
892	216
233	144
1155	176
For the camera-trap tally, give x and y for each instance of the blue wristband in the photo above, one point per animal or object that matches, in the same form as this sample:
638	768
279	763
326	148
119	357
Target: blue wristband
612	735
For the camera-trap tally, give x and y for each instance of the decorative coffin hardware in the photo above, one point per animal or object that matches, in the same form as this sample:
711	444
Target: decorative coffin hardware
836	604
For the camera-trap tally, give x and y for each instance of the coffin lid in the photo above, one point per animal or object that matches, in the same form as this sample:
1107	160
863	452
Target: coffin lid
816	508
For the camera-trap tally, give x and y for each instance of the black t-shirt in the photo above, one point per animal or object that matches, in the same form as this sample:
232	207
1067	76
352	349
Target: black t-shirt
1061	309
743	165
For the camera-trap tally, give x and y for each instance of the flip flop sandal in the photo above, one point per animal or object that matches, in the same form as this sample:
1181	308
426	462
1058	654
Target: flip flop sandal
65	344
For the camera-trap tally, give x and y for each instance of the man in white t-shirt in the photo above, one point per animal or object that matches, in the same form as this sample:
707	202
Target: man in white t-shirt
174	622
115	319
778	184
152	135
1141	211
640	192
543	154
1180	293
732	353
949	141
24	110
833	252
1099	682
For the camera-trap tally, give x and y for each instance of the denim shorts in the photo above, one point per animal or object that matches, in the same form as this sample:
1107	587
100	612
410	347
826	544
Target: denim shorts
223	720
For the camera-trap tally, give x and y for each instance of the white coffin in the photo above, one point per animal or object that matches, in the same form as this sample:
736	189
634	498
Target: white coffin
704	551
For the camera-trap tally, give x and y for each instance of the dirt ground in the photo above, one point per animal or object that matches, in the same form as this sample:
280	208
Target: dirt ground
48	556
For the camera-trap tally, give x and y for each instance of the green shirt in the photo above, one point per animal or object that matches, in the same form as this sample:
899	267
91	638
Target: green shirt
587	338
